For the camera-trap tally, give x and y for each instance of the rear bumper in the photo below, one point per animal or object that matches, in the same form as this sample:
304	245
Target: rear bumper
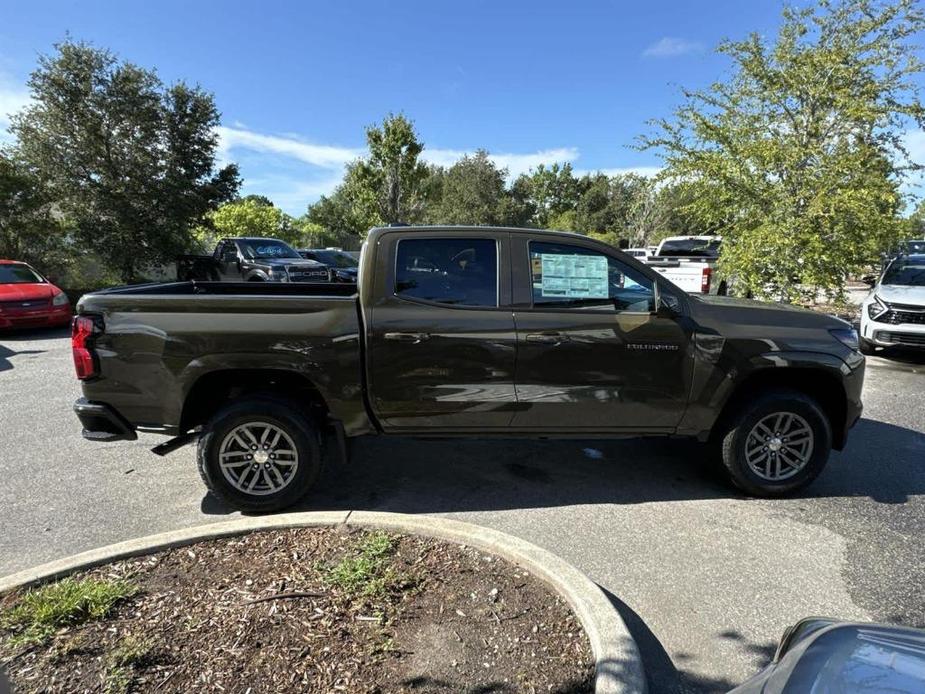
102	423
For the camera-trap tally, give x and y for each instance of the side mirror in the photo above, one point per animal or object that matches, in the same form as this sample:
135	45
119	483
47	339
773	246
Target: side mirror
668	305
869	280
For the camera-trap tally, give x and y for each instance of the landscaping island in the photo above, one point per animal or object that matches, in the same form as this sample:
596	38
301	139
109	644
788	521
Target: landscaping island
300	610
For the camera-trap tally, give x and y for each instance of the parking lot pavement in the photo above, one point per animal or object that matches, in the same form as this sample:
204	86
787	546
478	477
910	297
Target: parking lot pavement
706	579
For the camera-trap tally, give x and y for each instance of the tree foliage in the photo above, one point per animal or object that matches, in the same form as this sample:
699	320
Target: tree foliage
798	157
128	161
28	229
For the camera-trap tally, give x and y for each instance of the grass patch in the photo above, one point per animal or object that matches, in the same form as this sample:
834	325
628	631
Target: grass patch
367	572
41	612
120	664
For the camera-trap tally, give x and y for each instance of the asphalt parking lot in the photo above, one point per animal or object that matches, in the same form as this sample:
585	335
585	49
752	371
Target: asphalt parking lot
706	579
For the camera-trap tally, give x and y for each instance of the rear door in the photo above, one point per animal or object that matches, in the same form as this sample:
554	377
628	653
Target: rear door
440	332
593	354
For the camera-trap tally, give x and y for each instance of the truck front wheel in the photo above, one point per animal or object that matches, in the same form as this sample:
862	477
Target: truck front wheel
259	454
777	444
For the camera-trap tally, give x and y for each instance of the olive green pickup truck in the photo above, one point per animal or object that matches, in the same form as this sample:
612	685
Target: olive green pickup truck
459	331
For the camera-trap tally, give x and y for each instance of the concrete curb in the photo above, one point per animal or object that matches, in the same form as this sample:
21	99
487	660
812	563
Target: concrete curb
619	667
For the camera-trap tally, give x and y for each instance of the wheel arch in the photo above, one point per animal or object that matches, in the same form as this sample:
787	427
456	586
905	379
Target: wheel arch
820	384
214	389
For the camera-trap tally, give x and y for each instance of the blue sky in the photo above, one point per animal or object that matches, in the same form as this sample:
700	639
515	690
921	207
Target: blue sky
296	82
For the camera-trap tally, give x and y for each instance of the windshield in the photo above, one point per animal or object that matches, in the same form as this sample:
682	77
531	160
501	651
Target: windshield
335	258
915	246
905	272
700	248
267	248
19	274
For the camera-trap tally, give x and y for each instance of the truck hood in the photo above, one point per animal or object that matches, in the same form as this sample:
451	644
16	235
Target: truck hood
748	311
289	262
902	294
27	292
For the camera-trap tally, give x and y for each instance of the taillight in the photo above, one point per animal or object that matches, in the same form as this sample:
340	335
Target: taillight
705	278
83	329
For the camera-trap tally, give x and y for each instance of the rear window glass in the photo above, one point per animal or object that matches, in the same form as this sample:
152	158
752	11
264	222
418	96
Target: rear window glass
454	271
699	248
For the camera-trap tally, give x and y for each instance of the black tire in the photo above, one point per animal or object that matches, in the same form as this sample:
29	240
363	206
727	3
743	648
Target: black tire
286	416
733	443
866	346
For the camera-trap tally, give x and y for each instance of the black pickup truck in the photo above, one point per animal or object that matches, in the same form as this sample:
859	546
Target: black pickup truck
455	331
251	259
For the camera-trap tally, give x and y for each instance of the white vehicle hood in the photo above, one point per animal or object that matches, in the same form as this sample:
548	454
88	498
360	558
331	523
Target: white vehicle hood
902	294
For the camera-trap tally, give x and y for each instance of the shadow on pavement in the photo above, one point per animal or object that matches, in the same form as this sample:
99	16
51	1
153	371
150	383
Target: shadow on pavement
882	461
665	677
6	353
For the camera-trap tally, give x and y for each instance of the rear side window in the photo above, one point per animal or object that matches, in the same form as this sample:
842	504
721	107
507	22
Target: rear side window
454	271
566	276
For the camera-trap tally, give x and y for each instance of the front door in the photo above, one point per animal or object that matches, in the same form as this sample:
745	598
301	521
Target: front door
441	339
593	354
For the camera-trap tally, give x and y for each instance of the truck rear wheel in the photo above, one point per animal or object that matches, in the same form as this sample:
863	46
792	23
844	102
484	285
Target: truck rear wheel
777	444
259	454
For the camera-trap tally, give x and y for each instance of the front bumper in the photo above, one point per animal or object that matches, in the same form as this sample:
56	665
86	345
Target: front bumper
102	423
46	318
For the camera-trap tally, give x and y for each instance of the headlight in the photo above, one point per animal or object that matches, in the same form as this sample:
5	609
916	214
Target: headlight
60	300
847	336
876	308
279	275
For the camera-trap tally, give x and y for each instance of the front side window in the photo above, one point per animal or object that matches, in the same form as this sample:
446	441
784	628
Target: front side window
454	271
567	276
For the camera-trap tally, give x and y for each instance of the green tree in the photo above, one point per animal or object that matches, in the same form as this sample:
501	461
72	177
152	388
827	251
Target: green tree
552	191
28	229
798	157
127	160
473	193
392	174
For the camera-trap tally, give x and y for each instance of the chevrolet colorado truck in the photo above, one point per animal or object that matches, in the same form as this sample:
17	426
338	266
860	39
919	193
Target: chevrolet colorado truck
251	259
462	332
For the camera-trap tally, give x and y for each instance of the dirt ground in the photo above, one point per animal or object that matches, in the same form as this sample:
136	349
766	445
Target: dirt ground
310	610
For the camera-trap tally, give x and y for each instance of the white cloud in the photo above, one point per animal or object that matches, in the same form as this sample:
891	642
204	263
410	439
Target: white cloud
323	156
668	47
13	97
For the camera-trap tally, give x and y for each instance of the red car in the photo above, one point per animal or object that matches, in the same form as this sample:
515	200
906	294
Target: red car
28	300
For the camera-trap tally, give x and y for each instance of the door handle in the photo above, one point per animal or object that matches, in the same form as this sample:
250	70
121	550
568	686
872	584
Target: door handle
547	338
410	338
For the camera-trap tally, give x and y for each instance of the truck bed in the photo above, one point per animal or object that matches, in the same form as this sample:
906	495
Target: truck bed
160	340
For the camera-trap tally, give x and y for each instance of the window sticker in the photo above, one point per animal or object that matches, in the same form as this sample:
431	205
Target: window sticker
574	276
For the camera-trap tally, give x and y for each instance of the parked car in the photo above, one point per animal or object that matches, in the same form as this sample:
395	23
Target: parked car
28	300
251	259
463	332
689	262
826	655
341	266
893	314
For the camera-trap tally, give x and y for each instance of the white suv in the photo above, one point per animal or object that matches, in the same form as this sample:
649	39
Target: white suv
893	314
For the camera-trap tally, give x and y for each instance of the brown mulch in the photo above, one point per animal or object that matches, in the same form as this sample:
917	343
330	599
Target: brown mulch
259	613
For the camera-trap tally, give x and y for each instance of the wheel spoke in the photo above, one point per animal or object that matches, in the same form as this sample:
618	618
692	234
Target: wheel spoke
279	476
